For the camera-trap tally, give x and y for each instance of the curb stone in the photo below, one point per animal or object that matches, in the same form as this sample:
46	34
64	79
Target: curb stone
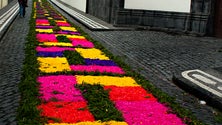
205	92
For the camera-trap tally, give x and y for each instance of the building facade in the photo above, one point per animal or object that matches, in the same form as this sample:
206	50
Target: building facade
3	3
203	17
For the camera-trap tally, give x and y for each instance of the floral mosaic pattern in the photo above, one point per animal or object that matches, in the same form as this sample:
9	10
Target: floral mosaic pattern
62	102
94	68
60	88
93	123
50	64
67	112
106	80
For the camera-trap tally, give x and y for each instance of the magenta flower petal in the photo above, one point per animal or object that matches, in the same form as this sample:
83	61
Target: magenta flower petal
53	49
46	38
146	113
60	87
94	68
83	43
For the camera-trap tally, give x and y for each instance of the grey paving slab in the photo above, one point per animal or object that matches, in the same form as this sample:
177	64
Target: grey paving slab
158	56
12	55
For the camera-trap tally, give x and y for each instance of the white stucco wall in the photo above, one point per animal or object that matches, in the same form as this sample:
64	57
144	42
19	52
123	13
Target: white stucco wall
78	4
3	3
162	5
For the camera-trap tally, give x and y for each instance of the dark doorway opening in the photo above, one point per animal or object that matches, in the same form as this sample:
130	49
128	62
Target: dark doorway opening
218	19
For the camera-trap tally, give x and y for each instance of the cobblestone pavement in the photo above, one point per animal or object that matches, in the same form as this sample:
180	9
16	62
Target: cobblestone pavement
12	55
157	56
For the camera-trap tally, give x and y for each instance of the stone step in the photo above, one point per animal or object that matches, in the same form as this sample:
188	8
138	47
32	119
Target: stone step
80	17
206	84
7	15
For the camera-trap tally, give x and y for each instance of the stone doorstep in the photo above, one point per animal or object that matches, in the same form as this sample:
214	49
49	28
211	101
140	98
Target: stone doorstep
89	21
7	17
80	17
205	84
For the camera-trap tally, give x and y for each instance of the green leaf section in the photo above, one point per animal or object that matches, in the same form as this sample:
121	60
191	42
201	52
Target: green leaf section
218	115
52	22
74	57
28	87
63	39
56	28
99	103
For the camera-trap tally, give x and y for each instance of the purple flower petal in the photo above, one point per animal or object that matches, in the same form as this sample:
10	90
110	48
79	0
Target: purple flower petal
50	54
100	62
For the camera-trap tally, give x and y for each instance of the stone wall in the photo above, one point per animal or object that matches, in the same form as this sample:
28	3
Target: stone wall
100	9
3	3
199	20
10	1
78	4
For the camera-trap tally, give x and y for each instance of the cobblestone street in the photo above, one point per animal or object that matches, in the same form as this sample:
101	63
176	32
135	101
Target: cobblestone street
155	55
12	55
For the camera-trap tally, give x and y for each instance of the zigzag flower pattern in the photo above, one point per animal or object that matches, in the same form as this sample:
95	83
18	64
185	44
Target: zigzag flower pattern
66	99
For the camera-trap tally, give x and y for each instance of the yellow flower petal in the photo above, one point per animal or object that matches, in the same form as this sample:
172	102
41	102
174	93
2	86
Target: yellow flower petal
43	24
72	36
50	64
55	44
44	30
61	21
68	28
75	37
92	53
34	5
106	80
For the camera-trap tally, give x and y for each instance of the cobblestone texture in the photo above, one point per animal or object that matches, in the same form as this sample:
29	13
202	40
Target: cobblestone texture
163	53
157	56
11	59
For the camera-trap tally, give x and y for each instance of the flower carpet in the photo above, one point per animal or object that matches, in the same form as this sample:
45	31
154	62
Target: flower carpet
80	85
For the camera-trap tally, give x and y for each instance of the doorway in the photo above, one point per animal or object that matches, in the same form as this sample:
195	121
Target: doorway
218	19
100	9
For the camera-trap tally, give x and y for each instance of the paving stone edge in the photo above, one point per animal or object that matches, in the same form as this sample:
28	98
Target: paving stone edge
195	90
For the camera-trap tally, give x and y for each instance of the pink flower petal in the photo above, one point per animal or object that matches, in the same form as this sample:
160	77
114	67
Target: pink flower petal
94	68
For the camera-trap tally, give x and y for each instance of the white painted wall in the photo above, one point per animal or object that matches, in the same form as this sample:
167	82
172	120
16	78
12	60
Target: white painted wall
78	4
3	3
162	5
